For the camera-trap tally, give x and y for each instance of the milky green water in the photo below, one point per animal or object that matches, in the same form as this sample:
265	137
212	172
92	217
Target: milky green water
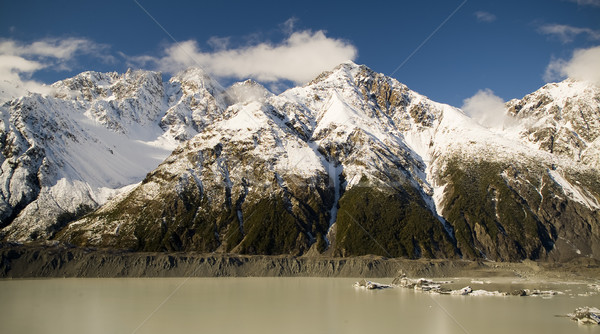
272	305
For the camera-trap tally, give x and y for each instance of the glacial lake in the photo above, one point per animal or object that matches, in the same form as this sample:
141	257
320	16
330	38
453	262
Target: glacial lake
276	305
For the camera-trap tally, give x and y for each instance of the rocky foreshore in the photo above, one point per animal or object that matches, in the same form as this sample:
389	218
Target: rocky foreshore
28	261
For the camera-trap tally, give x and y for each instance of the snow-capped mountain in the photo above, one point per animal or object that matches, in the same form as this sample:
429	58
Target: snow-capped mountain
352	163
562	118
65	154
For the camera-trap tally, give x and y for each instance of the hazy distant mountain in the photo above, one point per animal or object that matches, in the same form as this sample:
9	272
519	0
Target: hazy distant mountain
352	163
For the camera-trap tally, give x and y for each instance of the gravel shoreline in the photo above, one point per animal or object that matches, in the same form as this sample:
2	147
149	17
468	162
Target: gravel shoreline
17	261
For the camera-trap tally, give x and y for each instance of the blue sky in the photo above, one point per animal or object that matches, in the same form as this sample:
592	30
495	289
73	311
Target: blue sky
448	50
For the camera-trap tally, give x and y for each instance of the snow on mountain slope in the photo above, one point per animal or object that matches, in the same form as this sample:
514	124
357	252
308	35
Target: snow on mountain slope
348	124
380	117
562	118
328	136
356	110
68	153
217	190
193	101
540	162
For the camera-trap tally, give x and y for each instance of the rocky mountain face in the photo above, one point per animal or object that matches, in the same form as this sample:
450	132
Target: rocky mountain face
352	163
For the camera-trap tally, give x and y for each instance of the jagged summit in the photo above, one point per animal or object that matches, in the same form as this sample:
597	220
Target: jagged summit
562	118
132	161
247	91
195	78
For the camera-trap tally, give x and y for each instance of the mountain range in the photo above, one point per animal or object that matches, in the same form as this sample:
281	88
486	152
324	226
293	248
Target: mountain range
352	163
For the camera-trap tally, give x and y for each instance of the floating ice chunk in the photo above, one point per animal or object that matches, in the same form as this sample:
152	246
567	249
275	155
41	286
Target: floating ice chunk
542	293
371	285
464	291
488	293
586	315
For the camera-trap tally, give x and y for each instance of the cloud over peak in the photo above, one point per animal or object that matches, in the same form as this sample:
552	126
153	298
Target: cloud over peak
298	58
486	108
18	61
583	65
58	49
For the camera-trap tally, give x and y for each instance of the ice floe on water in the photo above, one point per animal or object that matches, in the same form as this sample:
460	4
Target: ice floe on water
583	315
371	285
442	287
586	315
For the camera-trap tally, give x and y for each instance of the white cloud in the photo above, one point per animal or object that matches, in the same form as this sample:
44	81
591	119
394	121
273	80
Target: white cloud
14	71
595	3
584	65
554	70
289	25
299	58
566	33
486	108
485	16
18	62
219	43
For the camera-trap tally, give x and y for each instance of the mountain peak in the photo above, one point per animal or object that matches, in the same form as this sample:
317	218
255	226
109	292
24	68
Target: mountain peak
348	64
342	69
194	79
562	118
247	91
191	73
